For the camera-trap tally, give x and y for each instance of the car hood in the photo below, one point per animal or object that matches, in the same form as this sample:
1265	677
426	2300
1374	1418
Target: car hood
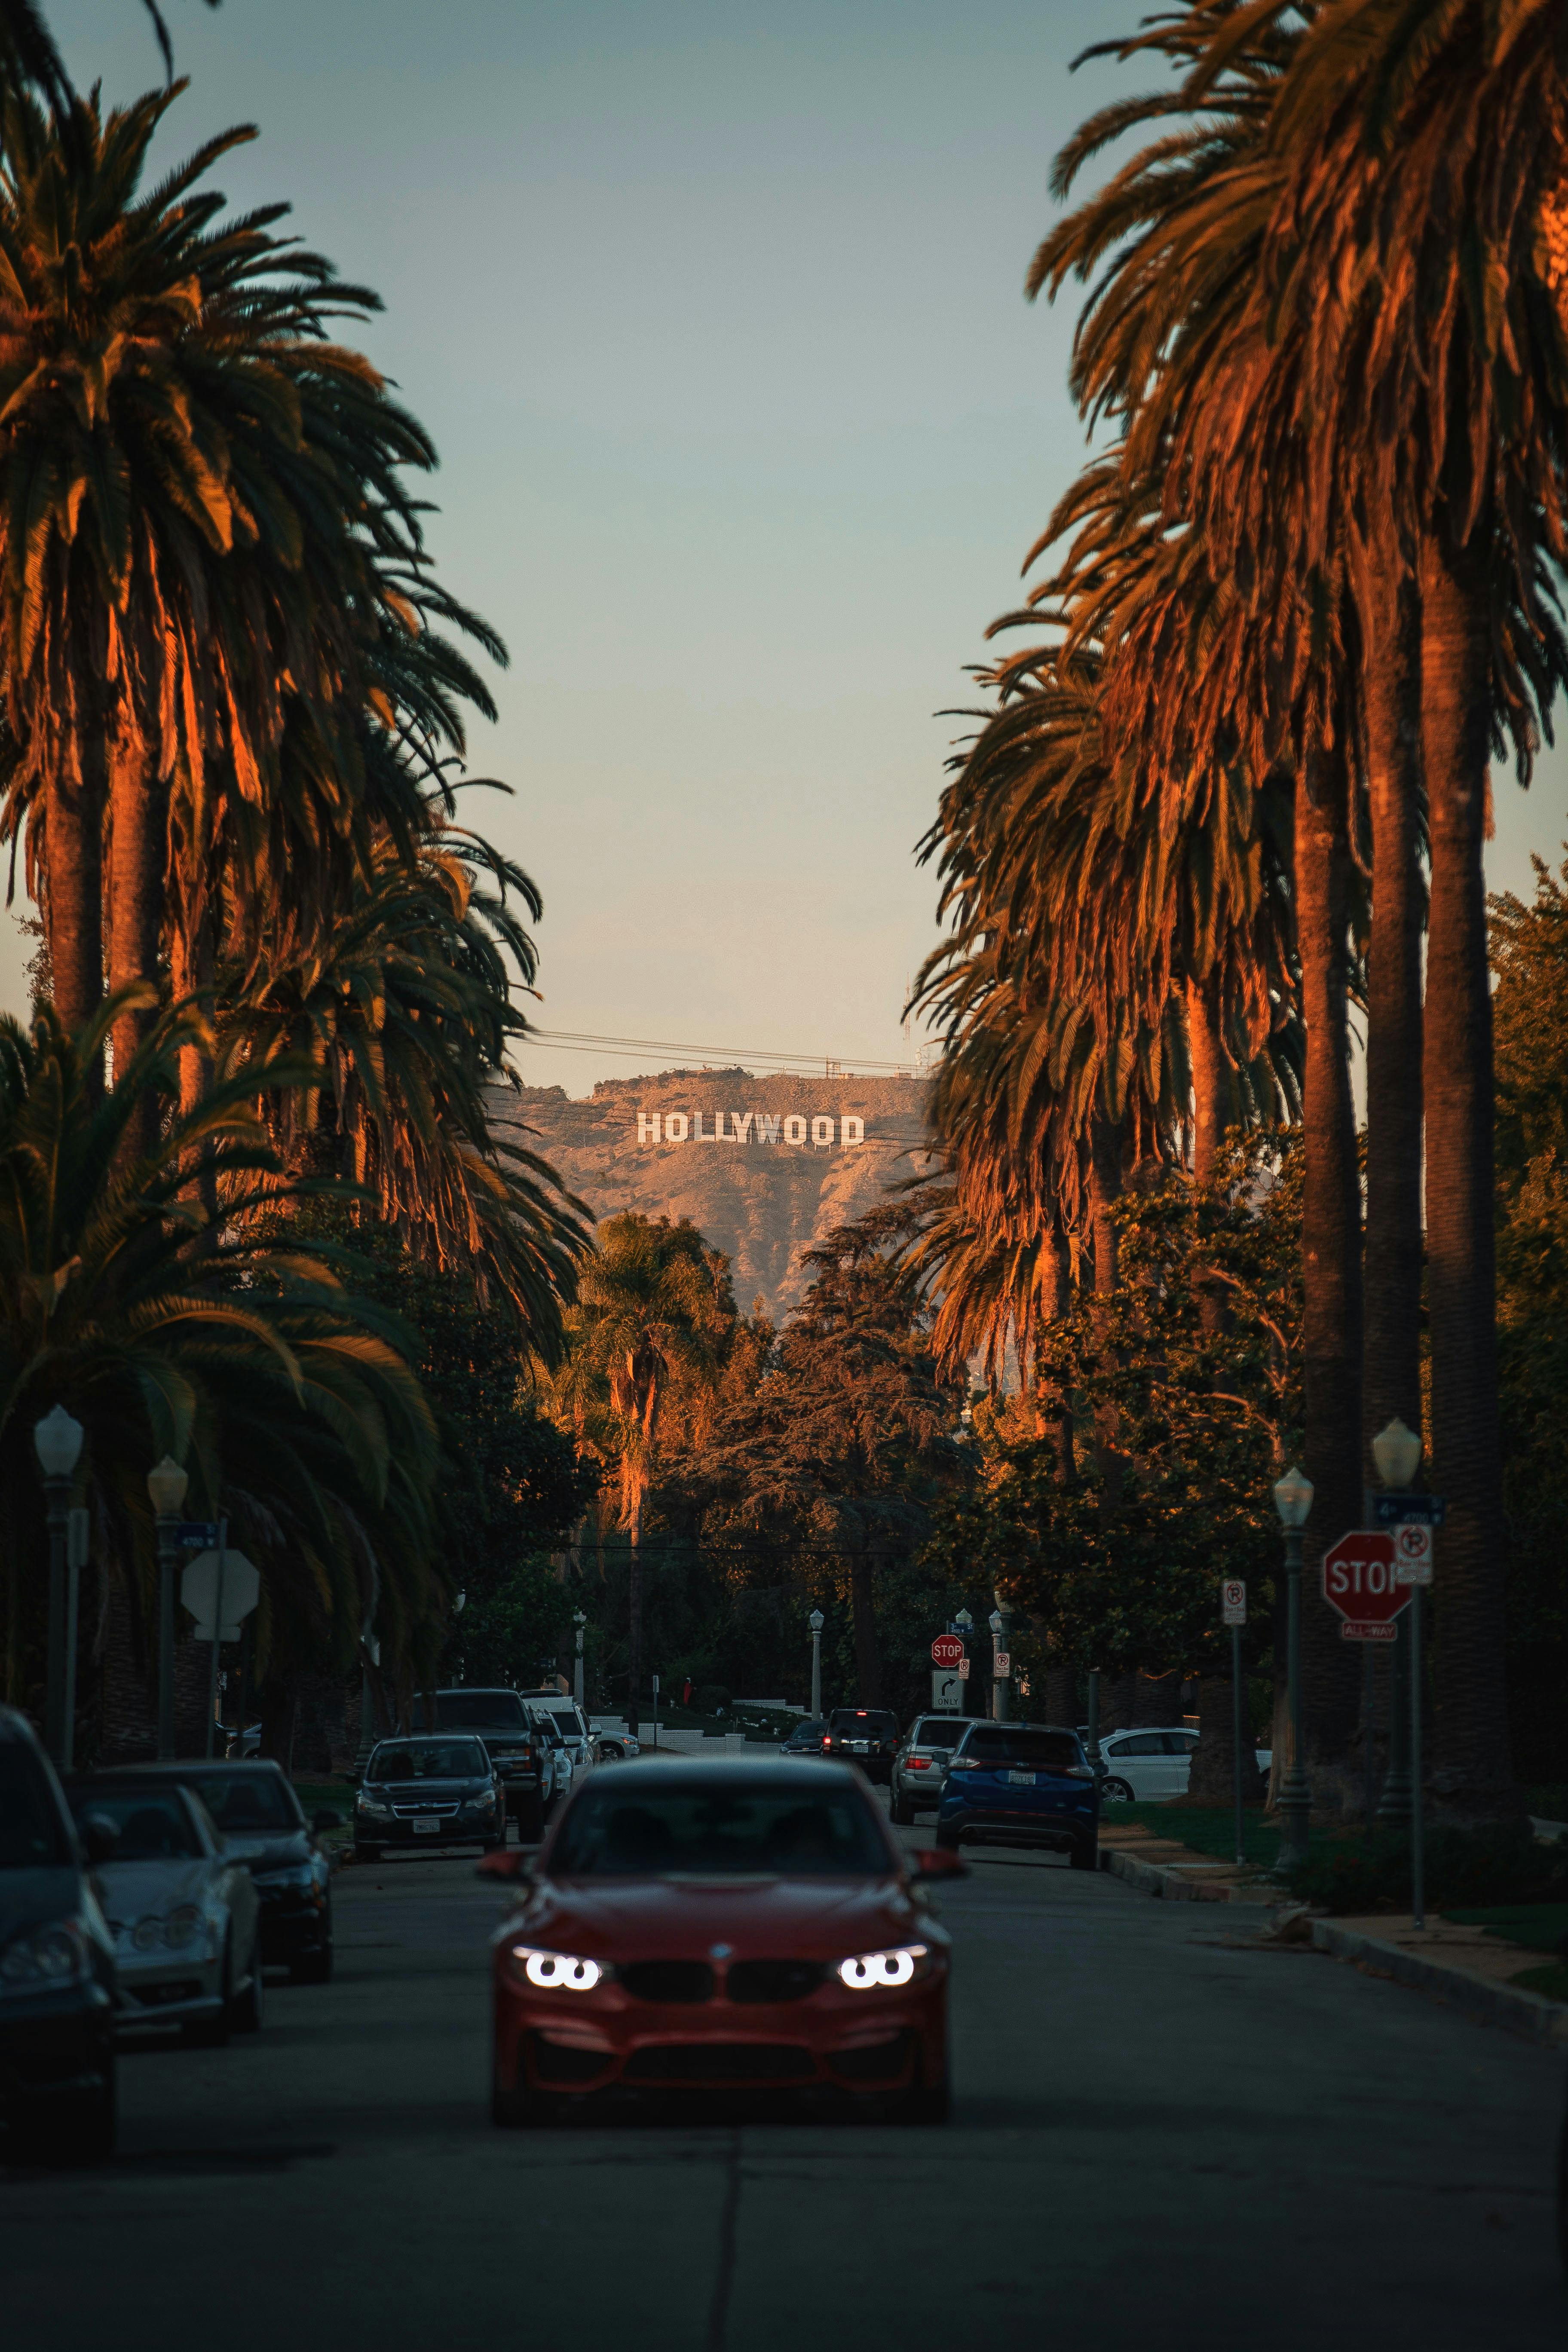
32	1898
131	1889
809	1919
262	1850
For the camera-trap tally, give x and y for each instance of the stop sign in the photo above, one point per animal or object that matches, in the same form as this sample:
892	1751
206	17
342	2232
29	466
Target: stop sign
1359	1578
947	1650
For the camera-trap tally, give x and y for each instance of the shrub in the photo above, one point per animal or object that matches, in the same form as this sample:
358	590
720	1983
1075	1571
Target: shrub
1466	1869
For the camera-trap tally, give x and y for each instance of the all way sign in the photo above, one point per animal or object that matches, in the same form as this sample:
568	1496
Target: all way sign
1361	1580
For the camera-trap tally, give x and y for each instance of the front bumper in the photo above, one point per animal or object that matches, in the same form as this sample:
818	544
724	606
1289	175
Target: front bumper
295	1923
455	1828
56	2044
172	1989
833	2039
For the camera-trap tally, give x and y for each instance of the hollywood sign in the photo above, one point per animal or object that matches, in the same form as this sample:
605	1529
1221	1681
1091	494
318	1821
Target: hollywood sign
748	1127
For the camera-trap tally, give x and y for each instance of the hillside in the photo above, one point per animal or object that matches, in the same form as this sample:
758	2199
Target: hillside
734	1153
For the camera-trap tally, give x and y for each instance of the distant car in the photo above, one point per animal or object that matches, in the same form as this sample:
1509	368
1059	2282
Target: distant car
866	1735
578	1733
1153	1765
57	1977
616	1746
512	1738
1021	1784
719	1925
262	1824
182	1908
429	1791
556	1761
808	1738
919	1764
244	1743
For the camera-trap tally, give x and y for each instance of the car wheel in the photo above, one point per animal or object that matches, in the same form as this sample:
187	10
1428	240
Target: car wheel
900	1808
521	2107
1116	1793
247	2010
611	1752
949	1840
1085	1853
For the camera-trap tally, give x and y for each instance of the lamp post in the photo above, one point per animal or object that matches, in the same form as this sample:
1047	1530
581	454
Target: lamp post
166	1486
1397	1450
57	1440
963	1626
1293	1501
998	1683
817	1621
578	1622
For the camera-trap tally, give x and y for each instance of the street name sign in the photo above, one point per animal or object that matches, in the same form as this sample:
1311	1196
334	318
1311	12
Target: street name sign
1403	1509
1360	1581
946	1649
198	1535
1233	1601
1413	1552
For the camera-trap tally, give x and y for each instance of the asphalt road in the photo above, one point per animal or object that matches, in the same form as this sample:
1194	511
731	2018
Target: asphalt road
1162	2137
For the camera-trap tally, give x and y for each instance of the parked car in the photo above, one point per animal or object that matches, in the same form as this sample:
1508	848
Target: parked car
580	1739
1151	1766
512	1738
1021	1784
181	1906
263	1825
919	1764
244	1743
556	1761
58	1979
823	1967
616	1746
806	1737
866	1735
429	1791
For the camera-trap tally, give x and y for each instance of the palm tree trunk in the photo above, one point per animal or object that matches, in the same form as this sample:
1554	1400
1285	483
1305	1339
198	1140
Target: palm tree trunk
138	850
73	887
862	1596
1212	1109
634	1618
1391	1386
1472	1777
1331	1258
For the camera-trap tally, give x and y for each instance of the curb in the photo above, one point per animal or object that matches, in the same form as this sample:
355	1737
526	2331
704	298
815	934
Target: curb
1173	1885
1517	2010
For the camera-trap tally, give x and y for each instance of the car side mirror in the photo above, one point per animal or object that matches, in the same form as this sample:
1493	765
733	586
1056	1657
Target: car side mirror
323	1821
510	1862
937	1861
99	1836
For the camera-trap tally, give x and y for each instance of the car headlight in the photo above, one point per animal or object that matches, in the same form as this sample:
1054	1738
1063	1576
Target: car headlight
365	1804
47	1958
297	1874
484	1801
147	1934
554	1971
182	1926
867	1971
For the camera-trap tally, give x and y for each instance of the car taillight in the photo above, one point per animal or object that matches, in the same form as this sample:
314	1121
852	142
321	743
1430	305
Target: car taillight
917	1763
827	1740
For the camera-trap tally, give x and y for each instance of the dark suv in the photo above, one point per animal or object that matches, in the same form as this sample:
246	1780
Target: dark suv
866	1735
515	1743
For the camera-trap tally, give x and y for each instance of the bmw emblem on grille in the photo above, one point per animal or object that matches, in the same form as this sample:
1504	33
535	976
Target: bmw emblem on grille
720	1951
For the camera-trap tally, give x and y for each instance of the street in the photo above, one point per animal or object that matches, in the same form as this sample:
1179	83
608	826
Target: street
1162	2138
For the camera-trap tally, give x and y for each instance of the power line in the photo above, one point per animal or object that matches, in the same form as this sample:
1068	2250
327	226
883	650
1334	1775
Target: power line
590	1041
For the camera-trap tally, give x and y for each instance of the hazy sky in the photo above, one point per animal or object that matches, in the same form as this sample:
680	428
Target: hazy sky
716	316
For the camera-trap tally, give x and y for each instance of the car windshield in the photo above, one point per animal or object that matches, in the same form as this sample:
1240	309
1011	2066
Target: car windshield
719	1829
495	1710
244	1803
939	1731
32	1834
864	1723
153	1825
1055	1751
545	1724
429	1759
812	1729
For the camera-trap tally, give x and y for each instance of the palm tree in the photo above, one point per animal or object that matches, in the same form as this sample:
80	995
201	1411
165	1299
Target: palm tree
640	1323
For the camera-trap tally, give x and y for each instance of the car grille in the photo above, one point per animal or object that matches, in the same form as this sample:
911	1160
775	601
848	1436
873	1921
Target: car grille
671	1980
158	1995
884	2062
722	2061
411	1812
757	1980
553	2062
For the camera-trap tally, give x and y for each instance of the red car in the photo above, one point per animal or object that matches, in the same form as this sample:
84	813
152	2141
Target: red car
727	1926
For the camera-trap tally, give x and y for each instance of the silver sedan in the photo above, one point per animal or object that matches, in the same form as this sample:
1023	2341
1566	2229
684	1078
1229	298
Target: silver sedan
183	1911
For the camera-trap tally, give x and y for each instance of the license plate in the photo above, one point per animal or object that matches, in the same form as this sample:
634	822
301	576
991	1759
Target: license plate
428	1829
1022	1779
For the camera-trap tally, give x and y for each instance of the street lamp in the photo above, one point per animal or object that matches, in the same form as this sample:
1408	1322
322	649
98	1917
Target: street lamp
166	1485
1397	1453
998	1684
579	1621
817	1621
1293	1501
57	1440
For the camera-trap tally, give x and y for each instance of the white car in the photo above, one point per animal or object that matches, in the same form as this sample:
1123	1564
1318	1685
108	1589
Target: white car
182	1910
571	1722
1151	1766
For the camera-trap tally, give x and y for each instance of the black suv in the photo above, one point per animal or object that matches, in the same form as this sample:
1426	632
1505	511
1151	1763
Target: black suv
866	1735
514	1741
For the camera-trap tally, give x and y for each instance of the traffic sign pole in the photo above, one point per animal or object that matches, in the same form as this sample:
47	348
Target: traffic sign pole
1233	1607
1418	1816
217	1633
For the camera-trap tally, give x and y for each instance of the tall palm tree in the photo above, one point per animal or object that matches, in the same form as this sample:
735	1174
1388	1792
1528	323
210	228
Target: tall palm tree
641	1322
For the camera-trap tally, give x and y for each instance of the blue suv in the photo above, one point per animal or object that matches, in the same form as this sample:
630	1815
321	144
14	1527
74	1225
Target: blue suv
1021	1784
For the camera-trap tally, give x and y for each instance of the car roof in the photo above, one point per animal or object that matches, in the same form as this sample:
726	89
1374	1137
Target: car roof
174	1767
1131	1730
672	1770
988	1723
